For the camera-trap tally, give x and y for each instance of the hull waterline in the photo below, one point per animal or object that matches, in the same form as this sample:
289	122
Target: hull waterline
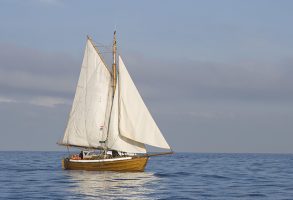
132	164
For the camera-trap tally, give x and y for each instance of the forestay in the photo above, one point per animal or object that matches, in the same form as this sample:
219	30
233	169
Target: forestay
88	119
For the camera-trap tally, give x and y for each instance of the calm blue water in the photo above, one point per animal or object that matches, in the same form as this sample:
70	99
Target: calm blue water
37	175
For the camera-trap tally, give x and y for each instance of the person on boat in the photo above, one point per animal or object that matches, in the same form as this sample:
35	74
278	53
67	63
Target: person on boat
81	154
115	153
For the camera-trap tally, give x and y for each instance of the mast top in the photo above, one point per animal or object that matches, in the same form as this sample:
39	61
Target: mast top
114	46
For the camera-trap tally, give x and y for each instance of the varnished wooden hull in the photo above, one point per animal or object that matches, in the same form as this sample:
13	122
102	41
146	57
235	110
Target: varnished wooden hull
135	164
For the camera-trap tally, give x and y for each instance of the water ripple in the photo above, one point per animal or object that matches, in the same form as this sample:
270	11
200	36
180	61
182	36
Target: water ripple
38	175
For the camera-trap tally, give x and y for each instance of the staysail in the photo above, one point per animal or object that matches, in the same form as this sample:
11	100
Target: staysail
88	119
135	121
115	140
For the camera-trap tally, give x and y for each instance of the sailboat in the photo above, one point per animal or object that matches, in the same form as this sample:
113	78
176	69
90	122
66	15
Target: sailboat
109	119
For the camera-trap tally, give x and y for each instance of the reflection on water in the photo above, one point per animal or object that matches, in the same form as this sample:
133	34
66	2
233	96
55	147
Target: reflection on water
110	185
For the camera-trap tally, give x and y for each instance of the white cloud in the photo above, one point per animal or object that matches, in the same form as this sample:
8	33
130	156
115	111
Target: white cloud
43	101
7	100
48	101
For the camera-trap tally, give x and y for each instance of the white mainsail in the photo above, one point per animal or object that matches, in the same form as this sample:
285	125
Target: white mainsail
136	122
88	119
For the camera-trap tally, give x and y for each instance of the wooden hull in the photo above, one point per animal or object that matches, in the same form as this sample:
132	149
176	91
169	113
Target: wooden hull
134	164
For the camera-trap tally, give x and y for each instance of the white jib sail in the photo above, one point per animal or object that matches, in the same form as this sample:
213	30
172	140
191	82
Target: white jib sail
136	122
87	123
115	140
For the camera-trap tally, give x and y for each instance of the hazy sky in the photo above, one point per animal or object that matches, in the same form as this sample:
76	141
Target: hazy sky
216	75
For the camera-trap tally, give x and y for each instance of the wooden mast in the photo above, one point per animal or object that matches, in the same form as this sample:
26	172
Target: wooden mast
114	73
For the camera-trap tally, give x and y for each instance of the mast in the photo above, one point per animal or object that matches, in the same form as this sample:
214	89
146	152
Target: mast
114	77
114	73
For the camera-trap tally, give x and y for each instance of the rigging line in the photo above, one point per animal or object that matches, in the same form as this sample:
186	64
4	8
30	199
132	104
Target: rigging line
98	52
97	44
101	44
105	52
108	46
105	48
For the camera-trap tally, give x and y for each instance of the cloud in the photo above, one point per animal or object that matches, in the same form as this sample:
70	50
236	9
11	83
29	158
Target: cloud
206	102
7	100
48	101
246	80
30	74
36	74
44	101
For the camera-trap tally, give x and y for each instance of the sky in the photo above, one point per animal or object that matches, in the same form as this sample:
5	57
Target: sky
217	76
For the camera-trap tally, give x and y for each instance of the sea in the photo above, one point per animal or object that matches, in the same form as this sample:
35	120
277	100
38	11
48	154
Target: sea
39	175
